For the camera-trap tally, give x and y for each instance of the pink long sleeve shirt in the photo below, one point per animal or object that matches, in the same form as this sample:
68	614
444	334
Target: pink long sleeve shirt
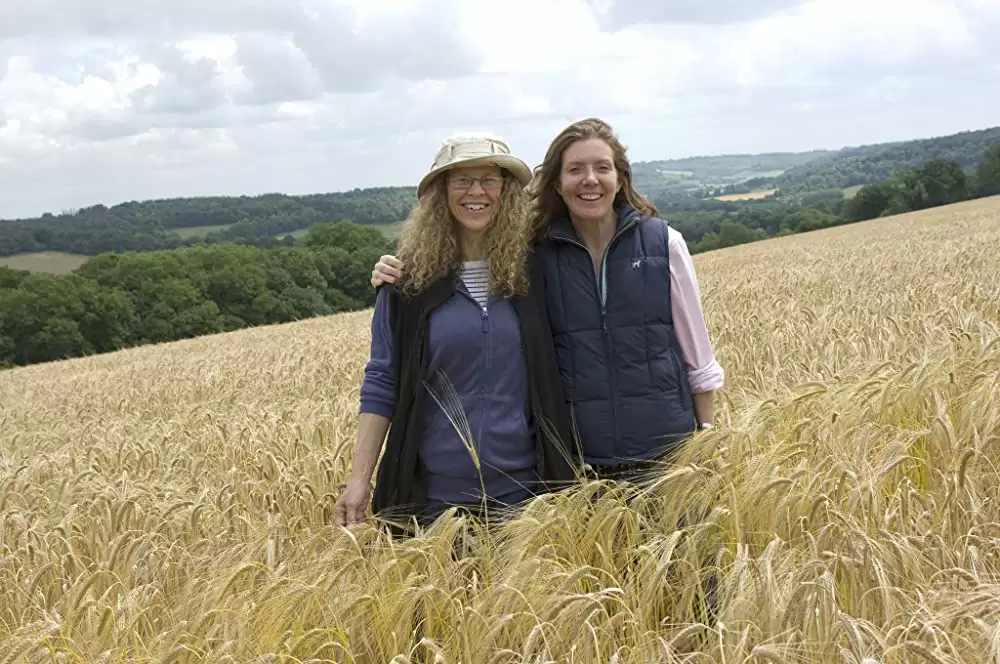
704	372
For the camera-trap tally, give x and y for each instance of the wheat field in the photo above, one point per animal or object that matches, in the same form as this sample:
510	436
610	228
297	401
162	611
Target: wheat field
174	504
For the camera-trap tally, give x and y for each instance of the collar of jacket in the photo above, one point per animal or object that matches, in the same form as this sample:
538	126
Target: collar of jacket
562	227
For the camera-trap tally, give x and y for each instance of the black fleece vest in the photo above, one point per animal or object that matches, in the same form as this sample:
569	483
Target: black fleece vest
399	492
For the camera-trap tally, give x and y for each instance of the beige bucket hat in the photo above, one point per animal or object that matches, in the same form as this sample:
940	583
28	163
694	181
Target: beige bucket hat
475	149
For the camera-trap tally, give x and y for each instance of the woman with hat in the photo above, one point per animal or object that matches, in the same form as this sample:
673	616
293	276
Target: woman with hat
462	373
636	361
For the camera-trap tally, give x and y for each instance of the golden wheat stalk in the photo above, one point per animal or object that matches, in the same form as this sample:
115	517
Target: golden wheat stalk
174	503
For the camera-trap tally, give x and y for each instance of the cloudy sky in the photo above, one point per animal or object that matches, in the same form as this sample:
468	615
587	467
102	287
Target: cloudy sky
107	100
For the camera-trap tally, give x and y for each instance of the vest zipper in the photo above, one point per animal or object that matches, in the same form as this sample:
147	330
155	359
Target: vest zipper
601	286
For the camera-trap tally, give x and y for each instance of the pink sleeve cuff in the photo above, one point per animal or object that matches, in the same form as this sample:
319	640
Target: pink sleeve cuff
707	379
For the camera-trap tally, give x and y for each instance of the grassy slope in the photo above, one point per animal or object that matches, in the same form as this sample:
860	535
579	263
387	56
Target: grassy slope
176	500
54	262
751	196
199	231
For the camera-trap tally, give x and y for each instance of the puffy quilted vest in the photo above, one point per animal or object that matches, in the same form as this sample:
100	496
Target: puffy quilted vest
620	363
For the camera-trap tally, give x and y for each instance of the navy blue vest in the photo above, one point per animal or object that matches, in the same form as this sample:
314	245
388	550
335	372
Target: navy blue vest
621	366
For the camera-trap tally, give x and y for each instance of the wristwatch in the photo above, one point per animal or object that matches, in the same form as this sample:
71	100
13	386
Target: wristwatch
704	425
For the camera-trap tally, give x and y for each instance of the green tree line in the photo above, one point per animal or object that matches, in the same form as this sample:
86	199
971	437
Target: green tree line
120	300
123	299
712	224
875	163
262	221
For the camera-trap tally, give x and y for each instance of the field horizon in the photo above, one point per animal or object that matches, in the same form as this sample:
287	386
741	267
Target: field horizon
174	503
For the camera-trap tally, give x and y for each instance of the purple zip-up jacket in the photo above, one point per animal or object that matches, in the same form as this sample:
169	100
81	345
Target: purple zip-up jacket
475	356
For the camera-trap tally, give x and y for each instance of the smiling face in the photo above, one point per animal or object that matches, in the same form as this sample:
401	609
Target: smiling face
474	196
588	180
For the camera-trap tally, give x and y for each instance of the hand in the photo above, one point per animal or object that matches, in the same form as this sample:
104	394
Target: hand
387	271
350	507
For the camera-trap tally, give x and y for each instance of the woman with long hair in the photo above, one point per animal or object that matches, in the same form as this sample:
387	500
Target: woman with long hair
636	361
462	373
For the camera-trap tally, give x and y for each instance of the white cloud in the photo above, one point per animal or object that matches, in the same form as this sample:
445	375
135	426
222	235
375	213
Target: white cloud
621	13
102	101
839	37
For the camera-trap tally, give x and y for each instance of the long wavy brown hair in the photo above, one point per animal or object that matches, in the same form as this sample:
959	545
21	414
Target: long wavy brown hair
545	203
429	246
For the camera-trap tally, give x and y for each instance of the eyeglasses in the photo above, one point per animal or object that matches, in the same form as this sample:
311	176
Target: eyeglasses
463	182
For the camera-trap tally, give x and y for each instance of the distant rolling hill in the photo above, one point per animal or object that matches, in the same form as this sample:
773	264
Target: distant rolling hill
868	164
695	174
280	219
804	172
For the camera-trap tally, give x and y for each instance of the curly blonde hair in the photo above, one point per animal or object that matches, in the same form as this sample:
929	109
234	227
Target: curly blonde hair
546	205
429	245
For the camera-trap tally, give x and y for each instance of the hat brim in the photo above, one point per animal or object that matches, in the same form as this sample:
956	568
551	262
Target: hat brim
512	164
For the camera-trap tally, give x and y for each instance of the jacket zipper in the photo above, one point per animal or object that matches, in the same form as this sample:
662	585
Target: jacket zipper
484	317
600	285
489	364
